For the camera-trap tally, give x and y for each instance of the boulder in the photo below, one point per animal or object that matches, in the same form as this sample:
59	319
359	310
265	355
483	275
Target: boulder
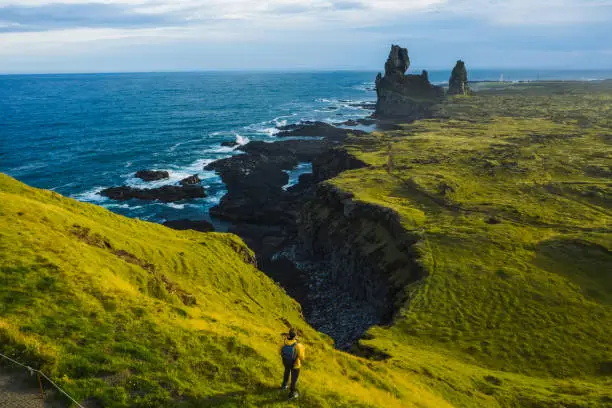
196	225
190	180
404	97
458	82
316	129
165	194
152	175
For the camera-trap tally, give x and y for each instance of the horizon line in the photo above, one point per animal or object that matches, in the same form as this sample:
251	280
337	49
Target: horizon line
300	70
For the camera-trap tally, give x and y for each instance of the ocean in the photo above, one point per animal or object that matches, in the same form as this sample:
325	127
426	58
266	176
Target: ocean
77	134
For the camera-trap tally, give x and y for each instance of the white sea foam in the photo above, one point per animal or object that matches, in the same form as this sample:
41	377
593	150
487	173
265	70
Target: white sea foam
175	206
126	206
271	131
91	196
366	86
294	174
128	164
241	140
173	148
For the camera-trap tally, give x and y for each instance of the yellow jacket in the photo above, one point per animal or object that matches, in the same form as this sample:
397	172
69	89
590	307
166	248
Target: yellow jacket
300	351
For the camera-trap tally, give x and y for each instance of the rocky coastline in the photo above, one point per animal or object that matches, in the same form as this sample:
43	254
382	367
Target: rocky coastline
316	241
344	261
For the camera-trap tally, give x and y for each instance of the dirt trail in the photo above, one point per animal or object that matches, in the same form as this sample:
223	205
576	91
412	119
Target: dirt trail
19	390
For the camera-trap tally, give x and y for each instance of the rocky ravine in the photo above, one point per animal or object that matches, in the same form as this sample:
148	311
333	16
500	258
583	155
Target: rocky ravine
345	262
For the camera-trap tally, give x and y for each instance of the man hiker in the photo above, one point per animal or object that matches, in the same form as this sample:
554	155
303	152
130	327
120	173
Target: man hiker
293	355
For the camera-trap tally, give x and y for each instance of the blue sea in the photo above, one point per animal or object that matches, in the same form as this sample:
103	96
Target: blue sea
79	133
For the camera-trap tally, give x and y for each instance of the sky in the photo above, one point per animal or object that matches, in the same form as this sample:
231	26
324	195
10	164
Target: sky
48	36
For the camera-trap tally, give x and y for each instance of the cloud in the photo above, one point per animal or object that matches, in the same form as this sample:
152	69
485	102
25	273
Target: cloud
70	27
534	12
91	15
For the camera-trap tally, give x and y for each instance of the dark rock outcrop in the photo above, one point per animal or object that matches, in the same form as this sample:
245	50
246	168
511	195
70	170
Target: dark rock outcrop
255	181
458	82
165	194
332	163
229	144
303	150
152	175
190	180
401	96
196	225
357	253
317	129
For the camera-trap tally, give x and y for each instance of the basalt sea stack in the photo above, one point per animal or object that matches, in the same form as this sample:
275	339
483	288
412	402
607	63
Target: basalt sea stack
401	96
458	82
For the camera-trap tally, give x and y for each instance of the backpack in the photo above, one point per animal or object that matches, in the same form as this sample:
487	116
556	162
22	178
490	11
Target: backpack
289	354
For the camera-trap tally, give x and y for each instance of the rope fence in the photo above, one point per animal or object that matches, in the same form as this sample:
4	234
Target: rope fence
40	374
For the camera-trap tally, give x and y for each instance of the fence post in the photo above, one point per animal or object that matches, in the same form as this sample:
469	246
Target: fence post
42	394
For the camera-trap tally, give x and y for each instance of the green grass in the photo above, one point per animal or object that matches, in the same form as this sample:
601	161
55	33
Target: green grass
513	216
509	195
133	314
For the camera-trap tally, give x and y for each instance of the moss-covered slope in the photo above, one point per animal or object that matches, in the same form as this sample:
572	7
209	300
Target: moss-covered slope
514	218
125	313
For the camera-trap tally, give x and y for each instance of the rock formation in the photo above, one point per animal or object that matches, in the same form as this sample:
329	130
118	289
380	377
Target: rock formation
152	175
457	84
165	194
401	96
316	129
190	180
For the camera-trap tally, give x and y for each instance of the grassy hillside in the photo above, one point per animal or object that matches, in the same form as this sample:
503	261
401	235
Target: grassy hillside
126	313
509	195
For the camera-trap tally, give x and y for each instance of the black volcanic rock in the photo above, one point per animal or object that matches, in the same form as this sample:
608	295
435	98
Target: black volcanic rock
196	225
458	82
398	61
332	163
152	175
190	180
401	96
316	129
165	194
229	144
254	183
303	150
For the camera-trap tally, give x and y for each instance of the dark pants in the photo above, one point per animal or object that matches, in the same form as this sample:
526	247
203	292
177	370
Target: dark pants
294	373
